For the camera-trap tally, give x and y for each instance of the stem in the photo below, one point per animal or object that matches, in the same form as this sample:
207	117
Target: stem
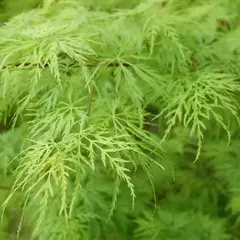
90	100
74	64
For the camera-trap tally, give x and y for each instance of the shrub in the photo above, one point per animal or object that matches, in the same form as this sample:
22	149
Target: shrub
120	119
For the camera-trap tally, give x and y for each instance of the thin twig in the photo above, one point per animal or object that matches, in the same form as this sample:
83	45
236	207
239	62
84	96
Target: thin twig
74	64
90	99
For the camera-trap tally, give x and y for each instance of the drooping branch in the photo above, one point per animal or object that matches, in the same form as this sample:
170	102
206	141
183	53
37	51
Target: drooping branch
72	65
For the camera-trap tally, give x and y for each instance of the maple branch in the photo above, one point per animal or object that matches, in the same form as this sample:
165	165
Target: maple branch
74	64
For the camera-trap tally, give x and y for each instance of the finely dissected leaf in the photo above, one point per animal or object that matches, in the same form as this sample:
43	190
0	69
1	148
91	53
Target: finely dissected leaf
196	99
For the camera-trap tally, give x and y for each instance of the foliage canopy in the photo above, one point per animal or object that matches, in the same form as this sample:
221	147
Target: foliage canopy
120	119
